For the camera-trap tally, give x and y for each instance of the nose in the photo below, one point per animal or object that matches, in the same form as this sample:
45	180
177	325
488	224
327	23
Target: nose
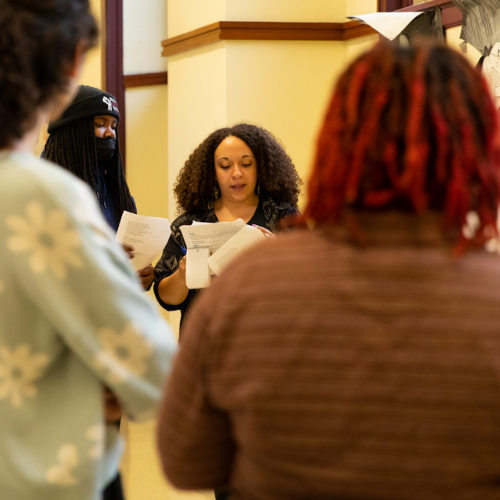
236	171
110	132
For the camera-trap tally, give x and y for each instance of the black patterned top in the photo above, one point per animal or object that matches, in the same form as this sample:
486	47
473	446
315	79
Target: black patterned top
267	215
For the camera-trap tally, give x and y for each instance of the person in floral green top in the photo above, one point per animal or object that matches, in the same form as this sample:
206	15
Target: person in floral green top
79	341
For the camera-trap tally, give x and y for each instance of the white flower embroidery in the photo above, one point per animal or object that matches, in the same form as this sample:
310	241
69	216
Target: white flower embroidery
48	238
123	353
96	434
62	473
18	370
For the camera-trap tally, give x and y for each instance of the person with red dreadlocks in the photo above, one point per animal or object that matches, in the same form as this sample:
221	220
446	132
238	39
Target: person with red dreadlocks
361	359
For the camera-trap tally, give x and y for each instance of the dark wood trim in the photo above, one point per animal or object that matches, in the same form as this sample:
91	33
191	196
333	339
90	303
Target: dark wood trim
113	15
452	15
230	30
354	29
145	79
393	5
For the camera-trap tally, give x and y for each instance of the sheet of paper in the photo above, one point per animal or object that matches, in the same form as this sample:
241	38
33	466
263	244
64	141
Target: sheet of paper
197	270
148	236
243	239
388	24
210	235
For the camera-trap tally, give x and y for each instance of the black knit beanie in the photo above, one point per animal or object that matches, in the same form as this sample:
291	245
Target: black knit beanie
89	102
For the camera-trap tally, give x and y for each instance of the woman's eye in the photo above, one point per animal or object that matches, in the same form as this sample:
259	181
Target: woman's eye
246	164
224	167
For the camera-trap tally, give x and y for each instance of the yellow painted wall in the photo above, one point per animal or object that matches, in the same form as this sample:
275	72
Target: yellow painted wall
358	7
144	27
92	71
197	104
284	87
147	148
285	10
188	15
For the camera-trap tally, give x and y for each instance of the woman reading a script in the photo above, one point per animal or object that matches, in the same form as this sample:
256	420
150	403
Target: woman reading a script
239	172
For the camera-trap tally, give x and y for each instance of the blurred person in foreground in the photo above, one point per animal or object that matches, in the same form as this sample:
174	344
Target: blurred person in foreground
360	360
79	341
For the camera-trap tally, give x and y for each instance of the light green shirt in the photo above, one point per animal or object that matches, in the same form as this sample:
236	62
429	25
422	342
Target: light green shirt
72	318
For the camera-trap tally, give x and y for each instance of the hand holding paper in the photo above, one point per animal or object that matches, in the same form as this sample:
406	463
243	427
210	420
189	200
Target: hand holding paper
148	236
224	240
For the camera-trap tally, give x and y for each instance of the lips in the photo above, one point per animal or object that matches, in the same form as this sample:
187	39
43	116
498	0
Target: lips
238	187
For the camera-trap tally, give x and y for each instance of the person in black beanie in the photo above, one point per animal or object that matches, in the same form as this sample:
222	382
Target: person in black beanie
84	140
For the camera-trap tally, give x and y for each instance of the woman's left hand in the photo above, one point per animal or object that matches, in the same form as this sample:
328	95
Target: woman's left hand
129	250
265	231
146	276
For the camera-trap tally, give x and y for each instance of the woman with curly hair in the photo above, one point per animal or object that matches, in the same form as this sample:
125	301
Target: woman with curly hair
236	172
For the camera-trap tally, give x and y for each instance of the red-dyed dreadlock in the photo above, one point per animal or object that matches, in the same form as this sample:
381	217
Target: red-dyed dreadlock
409	129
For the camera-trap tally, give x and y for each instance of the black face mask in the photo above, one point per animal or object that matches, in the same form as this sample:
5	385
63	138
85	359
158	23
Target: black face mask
105	148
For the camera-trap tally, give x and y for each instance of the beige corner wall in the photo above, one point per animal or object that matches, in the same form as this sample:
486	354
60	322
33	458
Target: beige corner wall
284	87
146	107
188	15
285	10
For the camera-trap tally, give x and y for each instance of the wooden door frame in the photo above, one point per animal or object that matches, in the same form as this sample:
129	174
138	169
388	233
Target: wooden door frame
113	63
392	5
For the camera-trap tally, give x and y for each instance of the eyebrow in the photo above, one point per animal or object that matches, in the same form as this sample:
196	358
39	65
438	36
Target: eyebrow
106	118
244	156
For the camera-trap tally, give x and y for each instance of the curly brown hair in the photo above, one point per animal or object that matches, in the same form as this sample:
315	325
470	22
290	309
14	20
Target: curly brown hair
38	39
276	173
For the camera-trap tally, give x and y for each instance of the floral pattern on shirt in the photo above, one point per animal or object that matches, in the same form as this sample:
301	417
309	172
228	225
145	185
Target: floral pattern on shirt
19	369
124	353
67	461
48	239
96	435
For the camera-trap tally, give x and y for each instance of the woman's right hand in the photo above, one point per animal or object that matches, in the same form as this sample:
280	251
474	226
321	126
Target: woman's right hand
173	289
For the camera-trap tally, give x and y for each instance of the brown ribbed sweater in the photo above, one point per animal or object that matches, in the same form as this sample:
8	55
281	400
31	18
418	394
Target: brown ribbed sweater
314	369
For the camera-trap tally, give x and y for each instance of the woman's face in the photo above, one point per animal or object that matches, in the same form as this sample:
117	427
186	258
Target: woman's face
236	170
105	126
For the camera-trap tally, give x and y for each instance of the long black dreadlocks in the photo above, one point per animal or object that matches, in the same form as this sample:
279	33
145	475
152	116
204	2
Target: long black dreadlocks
73	147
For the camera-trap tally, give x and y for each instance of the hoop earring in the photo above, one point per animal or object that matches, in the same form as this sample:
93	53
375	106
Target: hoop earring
216	191
257	190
